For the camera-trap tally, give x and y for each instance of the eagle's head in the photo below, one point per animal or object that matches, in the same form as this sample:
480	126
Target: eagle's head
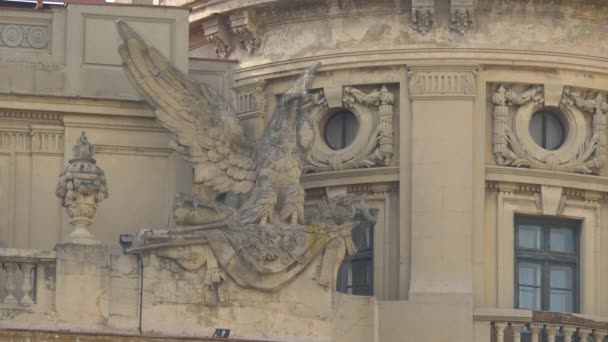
293	110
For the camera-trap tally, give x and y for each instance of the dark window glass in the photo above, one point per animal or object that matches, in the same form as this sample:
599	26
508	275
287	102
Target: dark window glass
546	265
341	129
356	273
547	130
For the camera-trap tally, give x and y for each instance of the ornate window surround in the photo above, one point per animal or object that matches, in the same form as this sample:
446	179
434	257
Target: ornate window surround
532	199
583	114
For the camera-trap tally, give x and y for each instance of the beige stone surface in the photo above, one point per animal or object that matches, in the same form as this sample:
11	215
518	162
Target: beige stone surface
443	256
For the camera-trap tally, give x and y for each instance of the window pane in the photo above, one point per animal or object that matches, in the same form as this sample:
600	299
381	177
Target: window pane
362	236
359	273
352	128
561	240
560	300
529	236
529	274
561	277
341	129
333	132
529	298
554	131
536	128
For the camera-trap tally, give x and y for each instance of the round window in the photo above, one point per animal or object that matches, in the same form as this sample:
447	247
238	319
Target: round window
341	129
547	130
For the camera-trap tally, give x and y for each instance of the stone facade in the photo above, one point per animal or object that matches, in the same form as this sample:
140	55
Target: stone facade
442	94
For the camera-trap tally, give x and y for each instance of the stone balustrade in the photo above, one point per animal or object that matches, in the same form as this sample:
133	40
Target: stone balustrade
508	325
27	279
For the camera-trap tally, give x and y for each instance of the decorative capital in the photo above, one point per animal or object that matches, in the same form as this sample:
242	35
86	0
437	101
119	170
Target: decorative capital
82	185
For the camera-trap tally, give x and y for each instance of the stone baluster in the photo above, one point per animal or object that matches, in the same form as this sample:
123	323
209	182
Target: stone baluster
583	334
551	332
599	335
500	331
516	330
10	269
568	332
27	285
535	328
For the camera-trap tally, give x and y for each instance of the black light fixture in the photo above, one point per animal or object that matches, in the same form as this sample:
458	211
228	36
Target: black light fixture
221	333
126	241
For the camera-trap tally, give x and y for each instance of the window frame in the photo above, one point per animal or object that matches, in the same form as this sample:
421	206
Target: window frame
547	258
342	283
545	114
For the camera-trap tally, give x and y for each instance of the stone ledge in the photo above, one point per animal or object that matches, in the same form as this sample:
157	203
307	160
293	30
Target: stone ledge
546	177
68	336
26	255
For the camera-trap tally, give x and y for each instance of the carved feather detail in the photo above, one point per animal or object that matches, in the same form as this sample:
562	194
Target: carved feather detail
207	131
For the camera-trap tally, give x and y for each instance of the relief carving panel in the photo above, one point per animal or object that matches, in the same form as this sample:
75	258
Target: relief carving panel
24	36
373	144
582	114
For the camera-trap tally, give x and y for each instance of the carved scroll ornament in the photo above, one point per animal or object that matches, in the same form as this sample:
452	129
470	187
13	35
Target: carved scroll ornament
513	145
373	145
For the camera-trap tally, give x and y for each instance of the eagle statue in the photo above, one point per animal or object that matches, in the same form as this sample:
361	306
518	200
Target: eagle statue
235	178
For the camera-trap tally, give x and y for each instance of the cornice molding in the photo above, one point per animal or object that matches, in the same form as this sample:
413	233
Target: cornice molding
132	150
350	177
60	105
545	177
334	60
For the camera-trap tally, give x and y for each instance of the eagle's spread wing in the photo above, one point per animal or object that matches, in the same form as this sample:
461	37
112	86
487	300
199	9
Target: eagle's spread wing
207	130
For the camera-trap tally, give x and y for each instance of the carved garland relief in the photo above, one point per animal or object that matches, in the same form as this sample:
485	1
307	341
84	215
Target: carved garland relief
373	144
582	113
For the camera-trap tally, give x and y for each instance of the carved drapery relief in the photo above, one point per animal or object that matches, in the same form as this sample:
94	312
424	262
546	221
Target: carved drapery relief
373	145
24	36
243	26
584	120
461	19
422	19
461	15
217	32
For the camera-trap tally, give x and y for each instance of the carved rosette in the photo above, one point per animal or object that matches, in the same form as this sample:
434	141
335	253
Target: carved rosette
24	36
82	185
584	152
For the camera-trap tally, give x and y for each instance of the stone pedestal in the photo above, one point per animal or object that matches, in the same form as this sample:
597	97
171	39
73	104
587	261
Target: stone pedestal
83	276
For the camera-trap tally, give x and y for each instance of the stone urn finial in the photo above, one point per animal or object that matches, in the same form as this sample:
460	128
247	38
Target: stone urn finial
81	186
